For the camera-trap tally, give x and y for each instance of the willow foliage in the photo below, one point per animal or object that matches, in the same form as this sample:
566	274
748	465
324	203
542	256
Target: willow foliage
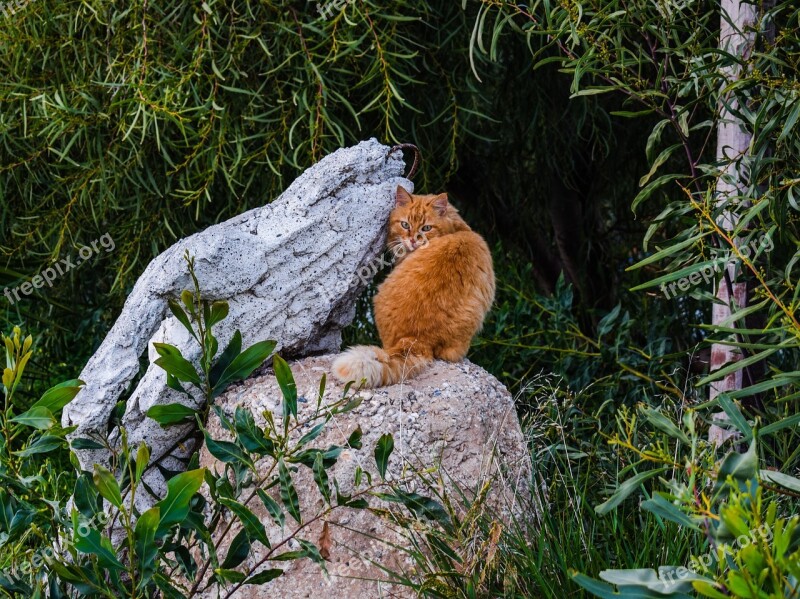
150	120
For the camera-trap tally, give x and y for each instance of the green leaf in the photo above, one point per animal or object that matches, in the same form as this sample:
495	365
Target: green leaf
227	452
219	312
173	413
321	478
88	540
250	435
107	485
145	543
661	506
39	418
741	467
180	490
383	450
57	397
788	422
354	440
84	443
175	364
264	577
288	387
43	444
664	424
238	551
272	507
255	529
244	364
733	412
233	349
625	489
142	460
647	191
288	492
229	575
179	313
781	479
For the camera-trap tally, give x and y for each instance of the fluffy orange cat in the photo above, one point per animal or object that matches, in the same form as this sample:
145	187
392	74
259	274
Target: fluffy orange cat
435	299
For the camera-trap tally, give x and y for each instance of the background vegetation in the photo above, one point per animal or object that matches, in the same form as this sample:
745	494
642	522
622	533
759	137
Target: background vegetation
577	137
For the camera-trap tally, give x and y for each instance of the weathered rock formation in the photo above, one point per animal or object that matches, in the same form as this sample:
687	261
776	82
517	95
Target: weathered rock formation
287	270
453	420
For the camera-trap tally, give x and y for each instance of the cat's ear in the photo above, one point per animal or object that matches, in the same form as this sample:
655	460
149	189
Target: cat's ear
403	197
440	204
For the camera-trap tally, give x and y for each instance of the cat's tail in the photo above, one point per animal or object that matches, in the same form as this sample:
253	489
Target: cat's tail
377	367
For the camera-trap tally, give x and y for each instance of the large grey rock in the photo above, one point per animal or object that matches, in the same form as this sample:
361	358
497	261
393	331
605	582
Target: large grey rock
288	270
454	421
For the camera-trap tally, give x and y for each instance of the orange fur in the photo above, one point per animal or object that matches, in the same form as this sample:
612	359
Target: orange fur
435	299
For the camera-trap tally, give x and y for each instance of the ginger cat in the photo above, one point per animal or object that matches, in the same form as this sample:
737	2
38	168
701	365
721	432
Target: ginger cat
435	299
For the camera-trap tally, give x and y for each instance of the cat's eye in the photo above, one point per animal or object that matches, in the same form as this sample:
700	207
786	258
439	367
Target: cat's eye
427	228
405	225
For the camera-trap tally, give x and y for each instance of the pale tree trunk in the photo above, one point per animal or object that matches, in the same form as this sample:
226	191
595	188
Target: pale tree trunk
737	37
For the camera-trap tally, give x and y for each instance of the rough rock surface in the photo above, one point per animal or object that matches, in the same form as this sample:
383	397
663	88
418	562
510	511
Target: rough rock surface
456	418
288	271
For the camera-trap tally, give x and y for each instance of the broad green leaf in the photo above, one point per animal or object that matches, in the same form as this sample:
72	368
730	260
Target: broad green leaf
238	551
84	443
142	460
175	506
145	543
227	452
625	489
233	349
219	312
781	479
181	315
244	364
741	467
383	450
288	387
57	397
255	529
107	485
250	435
173	413
39	418
175	364
661	506
43	444
88	540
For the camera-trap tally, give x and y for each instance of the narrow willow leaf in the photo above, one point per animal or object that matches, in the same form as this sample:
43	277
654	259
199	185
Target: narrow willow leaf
321	478
625	489
288	492
255	529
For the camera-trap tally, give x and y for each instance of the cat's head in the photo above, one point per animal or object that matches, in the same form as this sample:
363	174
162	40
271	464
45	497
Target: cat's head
416	219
